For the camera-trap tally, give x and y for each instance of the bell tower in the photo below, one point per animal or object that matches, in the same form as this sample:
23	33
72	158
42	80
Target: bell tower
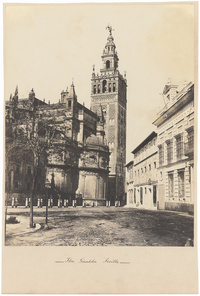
108	92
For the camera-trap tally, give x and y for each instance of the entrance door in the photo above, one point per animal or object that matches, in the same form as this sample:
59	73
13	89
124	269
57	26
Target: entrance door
141	195
154	195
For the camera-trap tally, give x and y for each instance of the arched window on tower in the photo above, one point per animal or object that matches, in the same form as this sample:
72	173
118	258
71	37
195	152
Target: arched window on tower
109	88
104	86
108	48
114	87
107	64
99	88
94	89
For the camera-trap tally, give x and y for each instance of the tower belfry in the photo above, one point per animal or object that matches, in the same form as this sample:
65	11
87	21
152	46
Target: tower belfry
109	93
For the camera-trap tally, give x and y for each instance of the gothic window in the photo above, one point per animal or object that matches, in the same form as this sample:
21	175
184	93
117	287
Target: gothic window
28	170
107	64
94	89
16	184
114	87
109	88
28	186
104	86
99	89
69	104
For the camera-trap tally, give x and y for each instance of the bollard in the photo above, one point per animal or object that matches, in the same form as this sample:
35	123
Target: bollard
59	203
38	203
74	203
26	203
65	203
13	202
51	203
41	202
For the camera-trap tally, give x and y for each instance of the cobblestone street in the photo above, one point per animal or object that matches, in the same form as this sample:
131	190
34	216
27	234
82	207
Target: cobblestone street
101	226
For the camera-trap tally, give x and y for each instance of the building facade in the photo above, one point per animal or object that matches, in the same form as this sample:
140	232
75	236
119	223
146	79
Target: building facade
108	91
175	129
76	158
129	184
145	174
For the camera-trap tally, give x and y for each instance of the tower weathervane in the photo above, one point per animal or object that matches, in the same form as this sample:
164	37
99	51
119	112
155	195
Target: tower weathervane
110	29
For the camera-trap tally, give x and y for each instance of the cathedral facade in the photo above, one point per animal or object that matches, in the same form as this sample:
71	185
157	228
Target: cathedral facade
84	155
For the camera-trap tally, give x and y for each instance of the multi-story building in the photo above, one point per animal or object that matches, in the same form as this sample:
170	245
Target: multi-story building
109	93
175	129
145	173
129	184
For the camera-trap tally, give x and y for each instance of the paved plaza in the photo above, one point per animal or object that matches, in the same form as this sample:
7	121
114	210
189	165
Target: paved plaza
100	226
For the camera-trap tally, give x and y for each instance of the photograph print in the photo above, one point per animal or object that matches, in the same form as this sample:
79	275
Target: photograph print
100	125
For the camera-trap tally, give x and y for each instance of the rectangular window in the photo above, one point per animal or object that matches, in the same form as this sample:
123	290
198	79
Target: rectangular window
181	184
169	151
154	165
191	138
179	147
149	167
69	104
161	154
170	185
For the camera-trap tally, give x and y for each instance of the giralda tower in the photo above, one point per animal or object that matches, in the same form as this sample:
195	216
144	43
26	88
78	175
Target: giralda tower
109	94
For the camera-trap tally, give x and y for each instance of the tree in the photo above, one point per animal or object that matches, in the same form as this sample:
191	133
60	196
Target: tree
28	134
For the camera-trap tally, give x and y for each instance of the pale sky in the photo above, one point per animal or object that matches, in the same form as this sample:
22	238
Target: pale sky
46	46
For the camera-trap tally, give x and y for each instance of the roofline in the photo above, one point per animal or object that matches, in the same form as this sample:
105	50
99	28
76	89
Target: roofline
129	163
80	106
146	140
162	117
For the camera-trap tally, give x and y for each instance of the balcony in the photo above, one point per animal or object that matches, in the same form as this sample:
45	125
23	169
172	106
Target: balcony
189	149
